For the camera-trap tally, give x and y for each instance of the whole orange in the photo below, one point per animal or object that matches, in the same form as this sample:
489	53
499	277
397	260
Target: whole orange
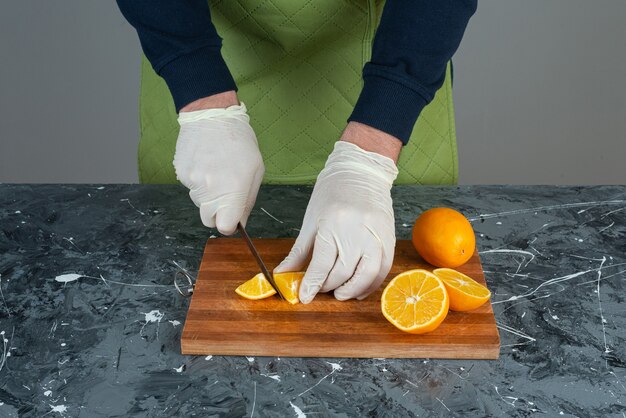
444	237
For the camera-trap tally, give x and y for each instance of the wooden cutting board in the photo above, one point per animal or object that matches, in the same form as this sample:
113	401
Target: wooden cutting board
220	322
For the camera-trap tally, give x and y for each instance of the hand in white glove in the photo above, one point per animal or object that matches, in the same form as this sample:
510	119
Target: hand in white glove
218	159
349	225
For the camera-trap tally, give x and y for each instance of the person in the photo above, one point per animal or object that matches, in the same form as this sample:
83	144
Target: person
349	223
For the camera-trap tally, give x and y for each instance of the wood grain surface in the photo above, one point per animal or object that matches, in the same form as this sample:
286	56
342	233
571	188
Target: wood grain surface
220	322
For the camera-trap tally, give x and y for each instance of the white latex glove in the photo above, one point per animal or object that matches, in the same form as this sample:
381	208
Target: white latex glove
218	159
349	225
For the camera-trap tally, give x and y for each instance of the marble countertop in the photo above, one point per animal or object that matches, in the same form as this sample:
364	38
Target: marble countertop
107	344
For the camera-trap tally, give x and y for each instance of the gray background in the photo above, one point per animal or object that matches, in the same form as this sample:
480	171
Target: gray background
539	88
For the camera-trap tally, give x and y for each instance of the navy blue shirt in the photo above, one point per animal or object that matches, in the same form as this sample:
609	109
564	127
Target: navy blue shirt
413	44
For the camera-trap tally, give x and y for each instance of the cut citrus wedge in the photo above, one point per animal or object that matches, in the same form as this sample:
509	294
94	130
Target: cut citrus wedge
256	288
415	301
259	287
465	293
289	285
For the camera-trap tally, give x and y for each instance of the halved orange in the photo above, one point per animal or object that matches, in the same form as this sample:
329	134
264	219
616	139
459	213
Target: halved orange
259	287
465	293
415	301
256	288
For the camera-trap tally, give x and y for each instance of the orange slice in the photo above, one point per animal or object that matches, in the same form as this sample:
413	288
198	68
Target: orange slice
465	293
289	285
259	287
256	288
415	301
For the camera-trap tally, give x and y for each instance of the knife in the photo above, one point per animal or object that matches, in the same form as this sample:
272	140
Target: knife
257	257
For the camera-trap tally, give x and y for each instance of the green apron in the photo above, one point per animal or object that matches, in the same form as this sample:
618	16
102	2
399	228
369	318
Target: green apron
298	68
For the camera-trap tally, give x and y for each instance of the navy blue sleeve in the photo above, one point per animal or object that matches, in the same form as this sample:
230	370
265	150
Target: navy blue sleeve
413	44
182	45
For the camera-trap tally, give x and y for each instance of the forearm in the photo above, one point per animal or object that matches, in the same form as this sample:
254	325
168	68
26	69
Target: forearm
413	44
181	43
372	140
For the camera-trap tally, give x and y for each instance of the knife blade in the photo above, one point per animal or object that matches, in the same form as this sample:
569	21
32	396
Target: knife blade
268	275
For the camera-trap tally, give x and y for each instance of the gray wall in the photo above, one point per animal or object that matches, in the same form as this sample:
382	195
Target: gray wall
540	93
69	77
